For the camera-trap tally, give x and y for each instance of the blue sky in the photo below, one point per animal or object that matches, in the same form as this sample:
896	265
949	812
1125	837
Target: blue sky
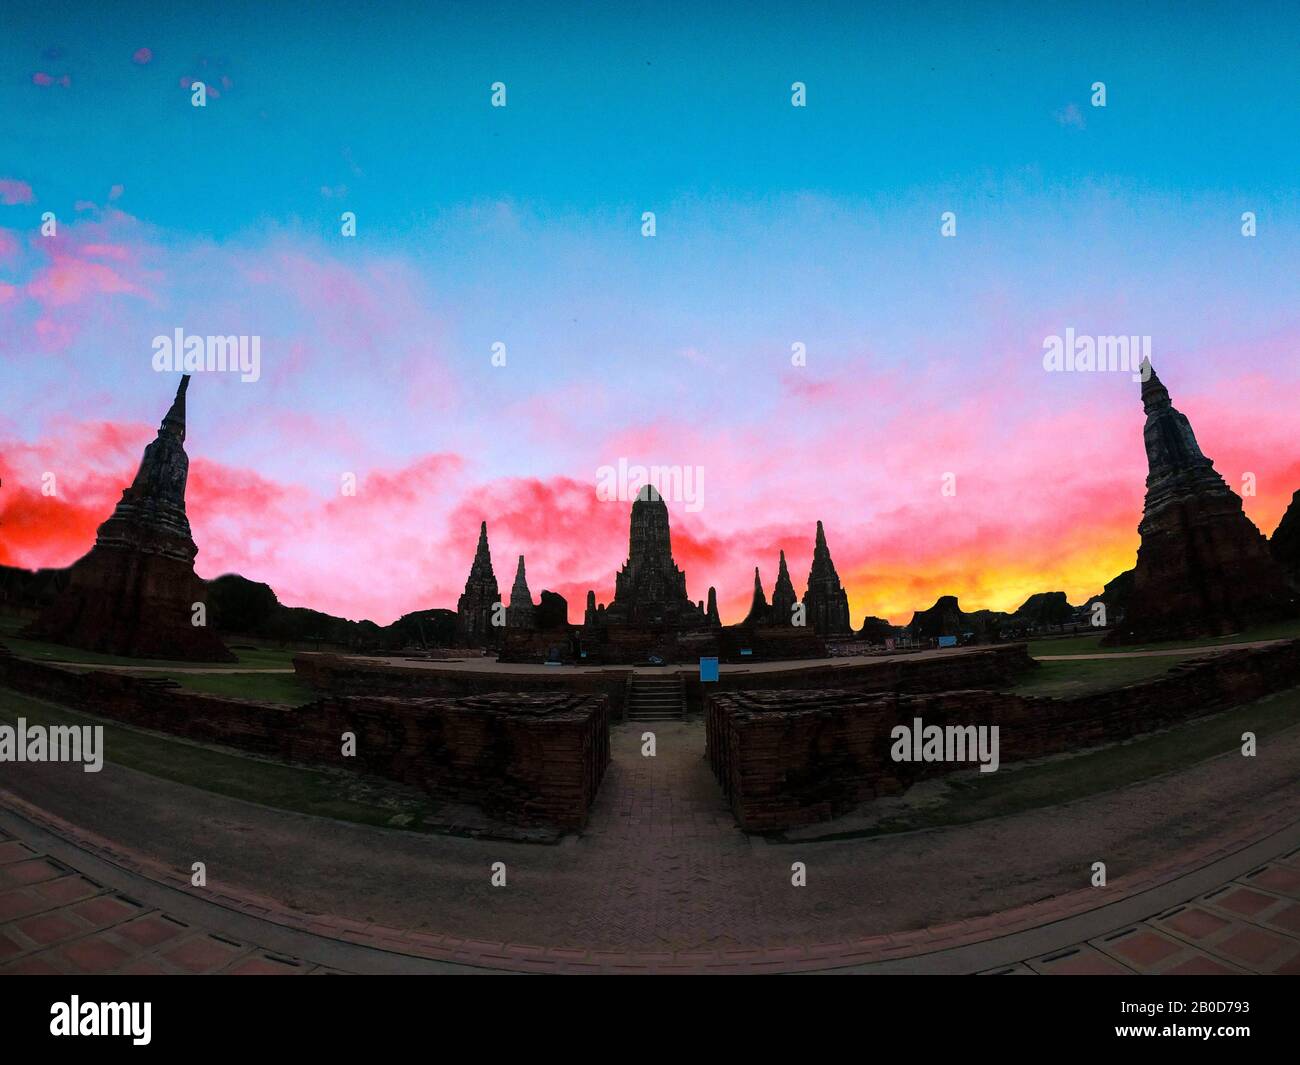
775	225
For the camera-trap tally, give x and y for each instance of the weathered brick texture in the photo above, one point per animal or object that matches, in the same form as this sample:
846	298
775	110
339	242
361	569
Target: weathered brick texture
525	758
794	757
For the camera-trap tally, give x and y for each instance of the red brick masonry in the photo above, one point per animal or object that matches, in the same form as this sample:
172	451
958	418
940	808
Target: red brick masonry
526	758
989	667
787	758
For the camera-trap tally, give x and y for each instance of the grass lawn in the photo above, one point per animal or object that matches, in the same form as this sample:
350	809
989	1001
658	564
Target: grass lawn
1091	645
973	796
1061	680
285	689
325	793
258	657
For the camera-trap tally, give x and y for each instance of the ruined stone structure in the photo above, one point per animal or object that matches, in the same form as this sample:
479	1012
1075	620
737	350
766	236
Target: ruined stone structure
650	589
759	611
521	614
877	630
476	606
711	611
825	602
1285	542
1203	569
651	614
783	596
794	757
527	758
552	611
136	593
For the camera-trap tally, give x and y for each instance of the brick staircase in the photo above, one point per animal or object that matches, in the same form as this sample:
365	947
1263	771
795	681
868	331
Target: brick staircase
656	699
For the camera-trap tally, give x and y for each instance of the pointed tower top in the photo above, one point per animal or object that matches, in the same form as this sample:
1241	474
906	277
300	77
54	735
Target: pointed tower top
174	420
481	567
712	608
1154	394
758	605
821	534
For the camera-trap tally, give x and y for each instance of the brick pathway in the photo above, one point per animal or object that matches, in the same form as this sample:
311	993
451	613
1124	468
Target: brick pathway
1248	925
54	919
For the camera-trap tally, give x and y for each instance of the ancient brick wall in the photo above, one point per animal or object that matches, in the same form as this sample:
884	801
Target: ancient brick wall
794	757
526	758
339	675
990	667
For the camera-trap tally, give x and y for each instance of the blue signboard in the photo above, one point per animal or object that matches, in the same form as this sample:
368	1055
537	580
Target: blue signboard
947	641
708	669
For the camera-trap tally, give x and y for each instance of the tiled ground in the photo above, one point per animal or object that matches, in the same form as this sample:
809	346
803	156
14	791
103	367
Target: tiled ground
1248	925
54	920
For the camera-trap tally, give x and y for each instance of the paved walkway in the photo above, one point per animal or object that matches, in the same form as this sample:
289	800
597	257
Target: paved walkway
662	877
82	913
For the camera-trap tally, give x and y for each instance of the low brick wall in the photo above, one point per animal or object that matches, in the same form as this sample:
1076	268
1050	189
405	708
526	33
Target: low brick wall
794	757
985	667
988	667
331	674
525	758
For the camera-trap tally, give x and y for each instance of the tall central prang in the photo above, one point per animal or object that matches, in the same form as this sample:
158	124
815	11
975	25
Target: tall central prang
649	589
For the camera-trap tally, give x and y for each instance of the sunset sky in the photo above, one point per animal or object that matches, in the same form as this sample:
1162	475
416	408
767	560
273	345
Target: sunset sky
522	225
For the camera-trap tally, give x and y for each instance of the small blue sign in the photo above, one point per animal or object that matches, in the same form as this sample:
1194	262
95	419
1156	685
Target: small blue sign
947	641
746	651
708	669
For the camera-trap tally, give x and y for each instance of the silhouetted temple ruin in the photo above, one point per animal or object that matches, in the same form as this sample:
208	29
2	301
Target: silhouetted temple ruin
478	604
1203	568
521	614
825	602
136	593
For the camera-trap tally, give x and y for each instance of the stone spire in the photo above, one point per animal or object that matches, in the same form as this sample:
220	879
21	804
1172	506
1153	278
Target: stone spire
650	589
135	593
151	513
826	603
174	420
1203	569
712	610
476	606
1175	462
758	609
521	614
589	615
783	597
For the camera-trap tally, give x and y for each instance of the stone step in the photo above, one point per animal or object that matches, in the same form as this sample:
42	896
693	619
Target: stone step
656	699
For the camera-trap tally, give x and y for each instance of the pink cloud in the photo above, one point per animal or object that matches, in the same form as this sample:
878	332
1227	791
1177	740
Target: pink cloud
14	192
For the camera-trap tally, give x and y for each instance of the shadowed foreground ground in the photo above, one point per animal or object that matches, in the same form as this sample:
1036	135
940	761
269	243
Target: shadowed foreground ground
662	865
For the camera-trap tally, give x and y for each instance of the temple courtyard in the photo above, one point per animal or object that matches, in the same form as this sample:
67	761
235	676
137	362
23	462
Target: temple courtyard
943	878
